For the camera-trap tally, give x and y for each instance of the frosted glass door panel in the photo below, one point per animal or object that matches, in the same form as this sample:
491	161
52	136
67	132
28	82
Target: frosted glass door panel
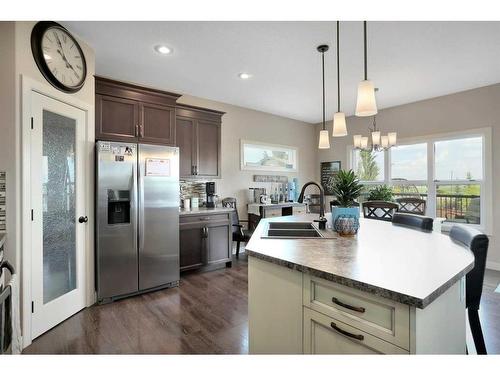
58	203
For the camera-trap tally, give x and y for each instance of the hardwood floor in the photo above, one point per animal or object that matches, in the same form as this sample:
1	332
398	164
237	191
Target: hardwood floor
207	314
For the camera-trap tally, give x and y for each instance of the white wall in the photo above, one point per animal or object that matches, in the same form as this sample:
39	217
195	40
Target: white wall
471	109
242	123
8	130
16	60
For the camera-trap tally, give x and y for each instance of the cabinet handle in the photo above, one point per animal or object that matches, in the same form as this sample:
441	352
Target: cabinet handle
141	131
205	218
345	333
345	305
137	130
196	170
205	232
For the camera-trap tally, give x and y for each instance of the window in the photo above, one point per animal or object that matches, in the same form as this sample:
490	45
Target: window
369	165
409	162
452	173
459	159
459	175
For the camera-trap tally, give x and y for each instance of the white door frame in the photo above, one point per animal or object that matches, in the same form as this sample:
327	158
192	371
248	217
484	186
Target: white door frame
28	86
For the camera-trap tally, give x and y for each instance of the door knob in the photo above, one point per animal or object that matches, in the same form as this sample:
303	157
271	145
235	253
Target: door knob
83	219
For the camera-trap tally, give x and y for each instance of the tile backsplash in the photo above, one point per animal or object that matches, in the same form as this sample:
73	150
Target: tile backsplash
189	189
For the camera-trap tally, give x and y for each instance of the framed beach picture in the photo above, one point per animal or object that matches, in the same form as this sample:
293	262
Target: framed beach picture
258	156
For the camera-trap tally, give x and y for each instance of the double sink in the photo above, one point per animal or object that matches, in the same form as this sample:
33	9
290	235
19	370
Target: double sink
291	230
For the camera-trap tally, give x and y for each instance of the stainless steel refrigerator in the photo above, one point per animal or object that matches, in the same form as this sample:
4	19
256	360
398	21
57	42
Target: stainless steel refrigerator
137	223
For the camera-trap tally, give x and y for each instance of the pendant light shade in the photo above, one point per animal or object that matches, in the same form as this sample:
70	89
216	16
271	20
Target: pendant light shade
366	104
357	140
384	140
324	139
339	125
392	138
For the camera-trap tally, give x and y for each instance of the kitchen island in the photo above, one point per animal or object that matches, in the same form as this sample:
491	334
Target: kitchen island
389	289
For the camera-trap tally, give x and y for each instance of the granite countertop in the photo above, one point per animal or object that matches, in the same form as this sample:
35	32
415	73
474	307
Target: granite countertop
394	262
204	211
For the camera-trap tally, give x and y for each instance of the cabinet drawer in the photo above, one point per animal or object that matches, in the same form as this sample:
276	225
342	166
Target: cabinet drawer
299	210
189	219
378	316
274	212
324	335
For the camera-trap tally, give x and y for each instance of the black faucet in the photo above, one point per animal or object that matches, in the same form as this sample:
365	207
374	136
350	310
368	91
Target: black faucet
322	220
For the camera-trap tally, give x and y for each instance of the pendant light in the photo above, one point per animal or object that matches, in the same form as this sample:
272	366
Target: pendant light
324	139
339	124
366	104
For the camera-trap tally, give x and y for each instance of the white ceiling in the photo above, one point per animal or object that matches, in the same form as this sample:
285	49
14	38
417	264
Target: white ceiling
408	61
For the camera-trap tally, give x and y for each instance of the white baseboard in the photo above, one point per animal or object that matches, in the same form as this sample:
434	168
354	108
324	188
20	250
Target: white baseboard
493	265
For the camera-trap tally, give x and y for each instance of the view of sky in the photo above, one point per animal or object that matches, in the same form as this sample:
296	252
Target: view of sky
409	162
456	159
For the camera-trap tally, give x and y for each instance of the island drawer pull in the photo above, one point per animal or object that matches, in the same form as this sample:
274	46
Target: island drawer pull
348	334
354	308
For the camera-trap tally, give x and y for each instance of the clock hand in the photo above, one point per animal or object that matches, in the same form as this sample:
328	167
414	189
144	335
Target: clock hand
58	40
68	65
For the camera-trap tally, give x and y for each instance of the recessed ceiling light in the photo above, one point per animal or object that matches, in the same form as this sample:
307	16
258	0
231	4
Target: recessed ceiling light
244	75
164	50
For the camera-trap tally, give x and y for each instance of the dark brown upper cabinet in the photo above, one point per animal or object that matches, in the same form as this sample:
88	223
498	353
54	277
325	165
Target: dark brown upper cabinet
198	136
126	112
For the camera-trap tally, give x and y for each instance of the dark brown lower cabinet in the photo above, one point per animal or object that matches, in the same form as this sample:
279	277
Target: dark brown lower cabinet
205	240
192	252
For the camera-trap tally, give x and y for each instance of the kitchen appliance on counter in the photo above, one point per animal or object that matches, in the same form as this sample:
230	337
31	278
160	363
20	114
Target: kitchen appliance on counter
137	218
210	189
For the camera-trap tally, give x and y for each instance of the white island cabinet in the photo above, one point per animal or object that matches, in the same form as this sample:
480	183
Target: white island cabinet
306	303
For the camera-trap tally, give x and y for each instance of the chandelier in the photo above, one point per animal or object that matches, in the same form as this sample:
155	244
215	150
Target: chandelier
376	141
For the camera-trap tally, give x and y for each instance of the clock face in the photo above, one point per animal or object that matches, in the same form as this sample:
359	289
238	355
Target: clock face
59	56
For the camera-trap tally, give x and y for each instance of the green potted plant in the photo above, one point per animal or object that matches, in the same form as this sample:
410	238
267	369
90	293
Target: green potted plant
381	193
347	188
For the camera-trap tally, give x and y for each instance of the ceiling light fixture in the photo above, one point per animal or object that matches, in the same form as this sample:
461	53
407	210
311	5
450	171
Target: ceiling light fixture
244	75
324	139
376	141
162	49
339	124
366	104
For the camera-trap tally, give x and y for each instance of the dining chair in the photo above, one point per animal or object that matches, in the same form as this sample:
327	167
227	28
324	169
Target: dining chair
477	242
379	210
413	220
239	234
411	205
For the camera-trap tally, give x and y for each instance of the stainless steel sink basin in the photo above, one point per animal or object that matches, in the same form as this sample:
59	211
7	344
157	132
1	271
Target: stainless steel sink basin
291	230
290	225
293	233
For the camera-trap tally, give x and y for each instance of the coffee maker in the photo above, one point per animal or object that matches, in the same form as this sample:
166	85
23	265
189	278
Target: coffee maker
210	189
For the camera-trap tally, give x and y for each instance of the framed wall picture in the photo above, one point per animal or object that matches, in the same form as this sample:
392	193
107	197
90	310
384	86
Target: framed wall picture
329	169
258	156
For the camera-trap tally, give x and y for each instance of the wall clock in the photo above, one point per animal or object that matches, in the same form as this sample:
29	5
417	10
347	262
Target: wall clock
58	56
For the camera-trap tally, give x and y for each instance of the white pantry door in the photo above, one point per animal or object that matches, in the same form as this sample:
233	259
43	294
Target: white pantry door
58	216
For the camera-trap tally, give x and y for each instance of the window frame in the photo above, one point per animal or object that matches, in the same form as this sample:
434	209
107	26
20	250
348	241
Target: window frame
486	214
